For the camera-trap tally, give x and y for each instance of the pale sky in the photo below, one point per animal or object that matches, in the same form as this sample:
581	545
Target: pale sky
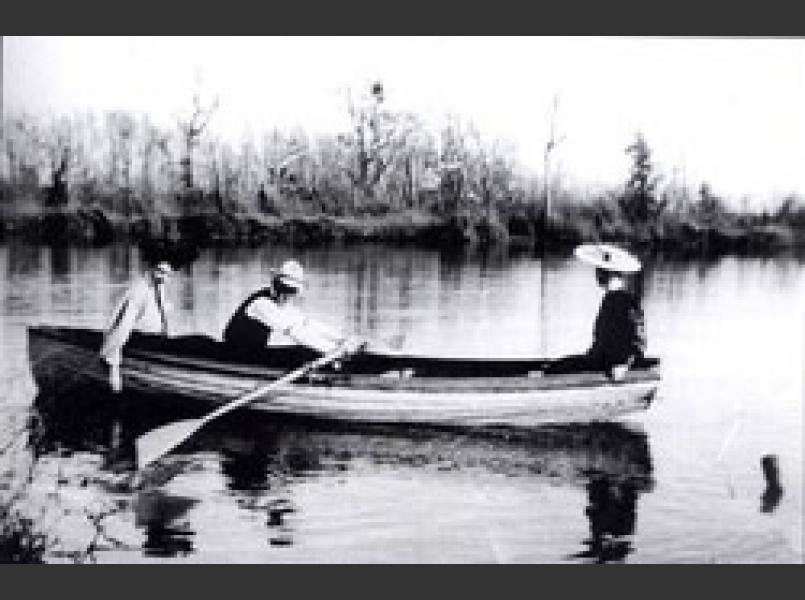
731	111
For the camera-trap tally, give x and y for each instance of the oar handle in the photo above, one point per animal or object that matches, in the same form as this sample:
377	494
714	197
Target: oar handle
265	389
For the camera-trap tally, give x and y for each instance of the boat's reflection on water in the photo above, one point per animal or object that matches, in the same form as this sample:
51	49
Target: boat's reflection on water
161	516
261	459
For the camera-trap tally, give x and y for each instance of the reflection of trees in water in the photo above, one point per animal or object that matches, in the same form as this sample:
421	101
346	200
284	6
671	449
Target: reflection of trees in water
61	266
375	283
366	286
674	279
493	258
187	293
262	459
120	259
405	278
452	265
787	269
23	259
367	282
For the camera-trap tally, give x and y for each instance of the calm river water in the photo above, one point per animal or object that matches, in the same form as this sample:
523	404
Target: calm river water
680	483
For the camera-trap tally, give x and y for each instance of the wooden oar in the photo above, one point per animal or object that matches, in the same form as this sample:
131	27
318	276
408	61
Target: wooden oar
158	442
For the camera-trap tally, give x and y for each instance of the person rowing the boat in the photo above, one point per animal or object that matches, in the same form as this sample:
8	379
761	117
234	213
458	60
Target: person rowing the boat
619	335
270	310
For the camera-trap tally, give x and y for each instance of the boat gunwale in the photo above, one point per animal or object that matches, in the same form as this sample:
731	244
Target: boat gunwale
391	381
522	407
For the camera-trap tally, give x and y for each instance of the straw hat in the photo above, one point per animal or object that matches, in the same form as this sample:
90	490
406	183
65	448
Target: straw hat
608	257
291	274
164	267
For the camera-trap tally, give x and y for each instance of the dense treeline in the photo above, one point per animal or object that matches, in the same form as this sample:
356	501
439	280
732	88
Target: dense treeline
387	177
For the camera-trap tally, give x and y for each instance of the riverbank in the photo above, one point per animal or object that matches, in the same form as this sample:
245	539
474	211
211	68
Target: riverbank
95	227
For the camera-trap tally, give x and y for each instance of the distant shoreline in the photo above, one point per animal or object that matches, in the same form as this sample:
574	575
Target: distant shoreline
416	229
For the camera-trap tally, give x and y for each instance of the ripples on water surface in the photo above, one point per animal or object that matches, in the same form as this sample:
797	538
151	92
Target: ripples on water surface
680	483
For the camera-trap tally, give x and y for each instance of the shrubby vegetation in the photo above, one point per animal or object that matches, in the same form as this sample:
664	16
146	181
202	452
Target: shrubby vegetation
387	177
20	540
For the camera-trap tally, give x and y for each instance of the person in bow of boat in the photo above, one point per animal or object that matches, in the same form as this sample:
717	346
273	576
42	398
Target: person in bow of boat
270	310
619	334
143	306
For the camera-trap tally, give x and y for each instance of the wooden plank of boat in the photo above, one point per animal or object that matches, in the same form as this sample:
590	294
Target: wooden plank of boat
478	400
190	376
425	402
227	385
189	349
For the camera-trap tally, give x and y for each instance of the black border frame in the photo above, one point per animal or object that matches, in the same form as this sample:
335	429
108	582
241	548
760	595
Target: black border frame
364	17
384	581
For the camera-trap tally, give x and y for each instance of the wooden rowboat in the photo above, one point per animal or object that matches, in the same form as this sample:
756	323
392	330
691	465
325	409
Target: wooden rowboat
368	388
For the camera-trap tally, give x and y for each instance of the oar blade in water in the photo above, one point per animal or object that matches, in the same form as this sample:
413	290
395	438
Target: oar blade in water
162	440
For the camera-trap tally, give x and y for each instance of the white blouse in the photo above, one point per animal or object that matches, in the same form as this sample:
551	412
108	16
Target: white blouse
288	321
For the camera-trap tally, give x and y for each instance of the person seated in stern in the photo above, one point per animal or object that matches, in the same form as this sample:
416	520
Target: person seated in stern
619	335
271	310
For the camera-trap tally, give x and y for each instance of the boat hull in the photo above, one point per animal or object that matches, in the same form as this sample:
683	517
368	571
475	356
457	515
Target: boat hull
61	358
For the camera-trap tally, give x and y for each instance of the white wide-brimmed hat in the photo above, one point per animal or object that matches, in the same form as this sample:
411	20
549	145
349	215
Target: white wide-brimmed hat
164	267
609	257
291	274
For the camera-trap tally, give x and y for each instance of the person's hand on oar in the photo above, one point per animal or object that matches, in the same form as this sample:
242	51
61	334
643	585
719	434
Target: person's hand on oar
392	345
356	345
351	346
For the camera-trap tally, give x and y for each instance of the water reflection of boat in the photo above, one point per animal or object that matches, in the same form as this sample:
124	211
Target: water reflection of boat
369	388
258	444
160	515
612	514
261	458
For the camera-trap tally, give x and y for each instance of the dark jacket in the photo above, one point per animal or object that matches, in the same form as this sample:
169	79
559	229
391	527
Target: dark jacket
242	332
619	332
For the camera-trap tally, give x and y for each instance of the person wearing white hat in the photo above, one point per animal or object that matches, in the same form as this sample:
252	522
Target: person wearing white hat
142	307
269	310
619	337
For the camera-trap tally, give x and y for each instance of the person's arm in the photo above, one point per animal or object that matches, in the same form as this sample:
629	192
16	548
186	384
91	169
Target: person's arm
638	325
121	325
321	336
636	328
293	323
